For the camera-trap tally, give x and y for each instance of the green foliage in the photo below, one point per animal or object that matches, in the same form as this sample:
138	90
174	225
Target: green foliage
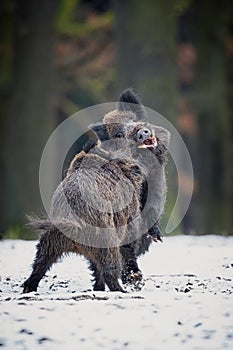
19	232
67	25
181	5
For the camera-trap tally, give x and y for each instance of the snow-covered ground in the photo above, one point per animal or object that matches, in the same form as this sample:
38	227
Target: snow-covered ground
186	303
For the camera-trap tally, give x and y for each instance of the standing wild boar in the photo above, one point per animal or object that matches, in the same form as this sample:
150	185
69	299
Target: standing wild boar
107	205
130	107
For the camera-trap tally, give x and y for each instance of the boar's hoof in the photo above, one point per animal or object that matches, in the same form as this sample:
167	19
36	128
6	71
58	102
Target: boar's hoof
28	288
99	287
132	277
134	281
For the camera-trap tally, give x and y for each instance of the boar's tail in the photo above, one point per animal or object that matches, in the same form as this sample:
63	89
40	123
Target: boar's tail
39	224
70	229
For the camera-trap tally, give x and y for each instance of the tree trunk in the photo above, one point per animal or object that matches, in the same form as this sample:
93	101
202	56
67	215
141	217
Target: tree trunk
30	116
187	117
215	191
146	40
6	21
146	49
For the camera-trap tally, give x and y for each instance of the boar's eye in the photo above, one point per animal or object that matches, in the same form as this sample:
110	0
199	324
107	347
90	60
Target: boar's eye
119	135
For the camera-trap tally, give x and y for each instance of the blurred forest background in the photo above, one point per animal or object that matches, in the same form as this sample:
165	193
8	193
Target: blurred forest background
59	56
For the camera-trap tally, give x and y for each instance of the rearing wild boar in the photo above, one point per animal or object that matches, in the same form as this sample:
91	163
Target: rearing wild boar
105	204
130	107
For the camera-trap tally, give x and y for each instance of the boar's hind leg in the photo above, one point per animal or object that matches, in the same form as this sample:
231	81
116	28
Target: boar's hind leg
98	277
110	264
49	249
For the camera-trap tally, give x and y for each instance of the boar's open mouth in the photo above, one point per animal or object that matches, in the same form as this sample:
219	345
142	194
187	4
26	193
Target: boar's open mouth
150	143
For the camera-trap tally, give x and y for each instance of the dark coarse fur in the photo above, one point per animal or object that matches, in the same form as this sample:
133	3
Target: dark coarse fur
80	221
130	107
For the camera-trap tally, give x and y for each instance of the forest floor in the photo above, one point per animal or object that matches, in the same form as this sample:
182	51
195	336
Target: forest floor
186	302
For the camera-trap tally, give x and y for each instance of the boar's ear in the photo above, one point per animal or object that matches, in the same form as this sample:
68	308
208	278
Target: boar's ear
163	135
100	130
128	101
91	143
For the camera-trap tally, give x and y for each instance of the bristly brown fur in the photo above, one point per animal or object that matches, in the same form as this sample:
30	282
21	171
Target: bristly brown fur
111	171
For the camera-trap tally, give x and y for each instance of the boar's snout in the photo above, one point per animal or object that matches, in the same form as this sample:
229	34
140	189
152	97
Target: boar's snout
143	134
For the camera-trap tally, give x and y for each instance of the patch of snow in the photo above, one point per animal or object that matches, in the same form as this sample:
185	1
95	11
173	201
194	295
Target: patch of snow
186	302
